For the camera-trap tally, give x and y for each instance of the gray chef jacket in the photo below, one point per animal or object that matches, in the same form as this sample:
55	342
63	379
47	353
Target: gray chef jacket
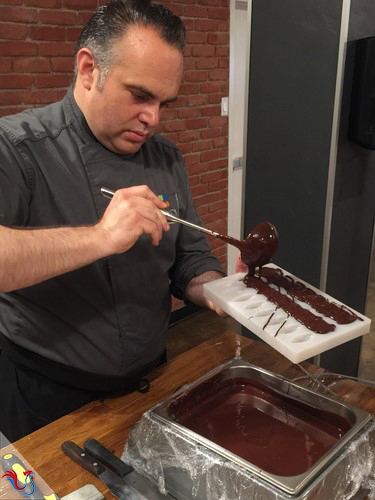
109	317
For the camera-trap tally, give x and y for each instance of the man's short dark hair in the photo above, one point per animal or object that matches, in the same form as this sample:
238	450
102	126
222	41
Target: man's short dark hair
111	21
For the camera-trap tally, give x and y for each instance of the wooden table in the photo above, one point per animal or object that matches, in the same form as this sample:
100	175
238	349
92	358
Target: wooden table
110	421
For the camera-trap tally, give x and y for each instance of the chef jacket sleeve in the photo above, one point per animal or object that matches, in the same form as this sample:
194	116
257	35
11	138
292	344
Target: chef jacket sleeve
15	183
193	254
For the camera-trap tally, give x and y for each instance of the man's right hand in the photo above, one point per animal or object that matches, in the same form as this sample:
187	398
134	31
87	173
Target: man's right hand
132	212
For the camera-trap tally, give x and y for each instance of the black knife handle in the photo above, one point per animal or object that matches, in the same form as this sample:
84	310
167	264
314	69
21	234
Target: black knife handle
84	459
106	457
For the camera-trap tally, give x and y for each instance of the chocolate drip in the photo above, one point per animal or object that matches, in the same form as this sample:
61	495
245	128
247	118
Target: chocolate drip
301	292
302	315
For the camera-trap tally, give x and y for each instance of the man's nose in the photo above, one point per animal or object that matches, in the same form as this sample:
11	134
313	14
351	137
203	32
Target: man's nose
150	115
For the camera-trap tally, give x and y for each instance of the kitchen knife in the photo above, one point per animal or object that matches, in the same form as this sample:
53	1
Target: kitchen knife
106	457
116	484
22	479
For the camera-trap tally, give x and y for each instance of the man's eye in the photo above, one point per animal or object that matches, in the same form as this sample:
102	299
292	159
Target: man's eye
164	105
139	97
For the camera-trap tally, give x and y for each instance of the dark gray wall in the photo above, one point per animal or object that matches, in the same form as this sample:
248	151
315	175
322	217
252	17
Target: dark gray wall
293	66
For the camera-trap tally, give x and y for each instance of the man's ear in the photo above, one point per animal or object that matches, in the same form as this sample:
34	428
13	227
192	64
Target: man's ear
85	68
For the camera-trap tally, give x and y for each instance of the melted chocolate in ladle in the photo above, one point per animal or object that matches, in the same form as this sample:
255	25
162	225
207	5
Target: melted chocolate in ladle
259	246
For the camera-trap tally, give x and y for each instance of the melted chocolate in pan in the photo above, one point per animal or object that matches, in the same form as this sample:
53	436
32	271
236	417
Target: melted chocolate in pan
274	432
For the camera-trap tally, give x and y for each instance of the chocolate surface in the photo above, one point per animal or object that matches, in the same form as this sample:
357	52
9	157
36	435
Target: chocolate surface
297	290
272	431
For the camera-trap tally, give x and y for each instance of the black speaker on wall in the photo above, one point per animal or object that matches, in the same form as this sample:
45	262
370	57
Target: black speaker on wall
362	111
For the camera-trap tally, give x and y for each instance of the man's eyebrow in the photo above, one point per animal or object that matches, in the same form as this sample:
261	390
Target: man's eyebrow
147	92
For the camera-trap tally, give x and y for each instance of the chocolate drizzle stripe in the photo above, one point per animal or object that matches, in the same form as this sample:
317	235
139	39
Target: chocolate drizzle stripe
301	292
310	320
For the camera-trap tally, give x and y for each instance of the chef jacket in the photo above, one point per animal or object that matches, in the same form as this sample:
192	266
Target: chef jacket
109	317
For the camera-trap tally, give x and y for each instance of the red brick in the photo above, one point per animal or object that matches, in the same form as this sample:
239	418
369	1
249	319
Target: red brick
196	123
222	163
189	63
222	50
202	145
215	98
218	13
197	169
47	33
207	63
188	112
224	62
209	156
47	4
218	186
31	65
210	87
191	160
203	50
80	4
72	34
62	64
189	24
5	65
194	181
216	121
209	2
211	177
209	198
84	17
11	2
190	135
9	97
48	81
195	11
220	142
206	25
18	14
58	17
210	133
219	205
196	37
218	38
198	190
56	49
189	88
171	137
18	49
15	81
218	74
223	25
168	114
12	31
197	100
185	148
44	96
211	111
175	126
12	110
195	76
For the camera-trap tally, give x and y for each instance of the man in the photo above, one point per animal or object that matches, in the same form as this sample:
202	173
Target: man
86	282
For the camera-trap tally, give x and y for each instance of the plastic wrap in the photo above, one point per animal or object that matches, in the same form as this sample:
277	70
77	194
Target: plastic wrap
189	470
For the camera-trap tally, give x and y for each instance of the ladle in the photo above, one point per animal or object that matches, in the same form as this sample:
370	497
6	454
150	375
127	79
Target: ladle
256	250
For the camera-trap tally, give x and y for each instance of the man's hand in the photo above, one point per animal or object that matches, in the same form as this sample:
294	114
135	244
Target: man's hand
240	266
194	291
132	212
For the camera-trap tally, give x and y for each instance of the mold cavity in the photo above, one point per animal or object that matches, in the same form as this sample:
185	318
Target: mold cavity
301	338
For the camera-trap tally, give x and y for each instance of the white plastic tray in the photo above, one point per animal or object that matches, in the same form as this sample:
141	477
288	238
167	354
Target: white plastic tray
294	340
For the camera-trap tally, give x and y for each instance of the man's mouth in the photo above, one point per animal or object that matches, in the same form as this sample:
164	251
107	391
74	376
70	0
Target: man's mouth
137	136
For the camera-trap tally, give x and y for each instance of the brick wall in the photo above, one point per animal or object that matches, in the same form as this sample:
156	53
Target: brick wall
36	63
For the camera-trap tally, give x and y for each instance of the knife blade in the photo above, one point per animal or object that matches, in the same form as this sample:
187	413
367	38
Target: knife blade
114	483
22	479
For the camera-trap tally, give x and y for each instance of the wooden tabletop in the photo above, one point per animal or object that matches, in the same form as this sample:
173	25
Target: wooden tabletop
110	420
